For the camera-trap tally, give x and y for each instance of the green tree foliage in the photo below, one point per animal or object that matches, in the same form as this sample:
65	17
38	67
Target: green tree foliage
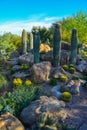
78	21
9	43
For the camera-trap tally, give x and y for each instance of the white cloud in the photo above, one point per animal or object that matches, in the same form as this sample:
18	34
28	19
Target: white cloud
16	27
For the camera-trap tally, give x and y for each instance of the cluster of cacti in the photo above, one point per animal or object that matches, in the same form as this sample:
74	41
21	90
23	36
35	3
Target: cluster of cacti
31	40
36	44
57	44
74	43
24	41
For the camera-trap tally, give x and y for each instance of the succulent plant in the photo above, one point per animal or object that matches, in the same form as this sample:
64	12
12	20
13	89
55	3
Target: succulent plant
66	96
74	43
31	40
63	78
24	41
36	37
72	70
57	44
65	67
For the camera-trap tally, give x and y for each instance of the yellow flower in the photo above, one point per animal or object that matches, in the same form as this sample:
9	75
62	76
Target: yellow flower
44	48
17	81
28	82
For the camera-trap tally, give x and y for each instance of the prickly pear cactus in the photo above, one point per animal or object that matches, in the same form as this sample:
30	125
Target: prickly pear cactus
24	41
74	43
31	41
57	44
36	38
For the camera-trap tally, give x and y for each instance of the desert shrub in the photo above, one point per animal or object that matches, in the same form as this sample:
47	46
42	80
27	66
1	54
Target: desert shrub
84	77
63	78
25	66
53	81
17	100
72	70
66	96
65	67
3	81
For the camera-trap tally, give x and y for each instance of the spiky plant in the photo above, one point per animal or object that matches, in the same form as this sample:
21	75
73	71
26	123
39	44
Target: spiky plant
36	37
24	41
57	44
74	43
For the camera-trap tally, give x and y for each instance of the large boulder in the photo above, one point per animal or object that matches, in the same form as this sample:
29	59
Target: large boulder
40	72
45	105
26	59
10	122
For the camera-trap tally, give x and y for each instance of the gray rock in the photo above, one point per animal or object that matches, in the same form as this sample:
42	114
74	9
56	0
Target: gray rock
16	67
21	75
26	59
82	66
13	62
14	54
45	105
40	72
84	126
55	91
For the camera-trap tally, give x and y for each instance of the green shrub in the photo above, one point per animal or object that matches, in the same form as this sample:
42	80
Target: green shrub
63	78
72	70
66	96
53	81
3	81
25	66
18	99
12	70
65	67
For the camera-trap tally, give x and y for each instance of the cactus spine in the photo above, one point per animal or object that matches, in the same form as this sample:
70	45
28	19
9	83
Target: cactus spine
36	37
24	41
57	44
31	41
74	43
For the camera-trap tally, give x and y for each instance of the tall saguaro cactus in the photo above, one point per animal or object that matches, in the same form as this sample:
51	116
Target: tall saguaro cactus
36	44
24	41
57	44
31	41
74	43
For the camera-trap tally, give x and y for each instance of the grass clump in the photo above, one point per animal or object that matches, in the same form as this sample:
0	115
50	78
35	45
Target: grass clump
66	96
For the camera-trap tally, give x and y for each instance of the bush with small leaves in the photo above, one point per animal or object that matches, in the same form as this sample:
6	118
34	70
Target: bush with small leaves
53	81
75	77
63	78
66	96
3	81
65	67
72	70
25	66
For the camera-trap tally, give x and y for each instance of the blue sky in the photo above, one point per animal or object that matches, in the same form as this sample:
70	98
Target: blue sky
18	14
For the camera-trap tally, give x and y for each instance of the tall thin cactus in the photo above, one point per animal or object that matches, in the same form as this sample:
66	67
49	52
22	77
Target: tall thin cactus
36	44
31	40
24	41
57	44
74	43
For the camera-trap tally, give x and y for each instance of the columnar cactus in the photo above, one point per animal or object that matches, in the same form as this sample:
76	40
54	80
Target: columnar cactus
74	43
36	44
31	41
24	41
57	44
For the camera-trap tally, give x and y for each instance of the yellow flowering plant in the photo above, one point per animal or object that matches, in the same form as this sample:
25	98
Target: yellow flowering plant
28	82
17	81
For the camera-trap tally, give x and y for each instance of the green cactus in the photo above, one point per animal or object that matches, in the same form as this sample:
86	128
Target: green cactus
36	37
74	43
24	41
57	44
31	40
